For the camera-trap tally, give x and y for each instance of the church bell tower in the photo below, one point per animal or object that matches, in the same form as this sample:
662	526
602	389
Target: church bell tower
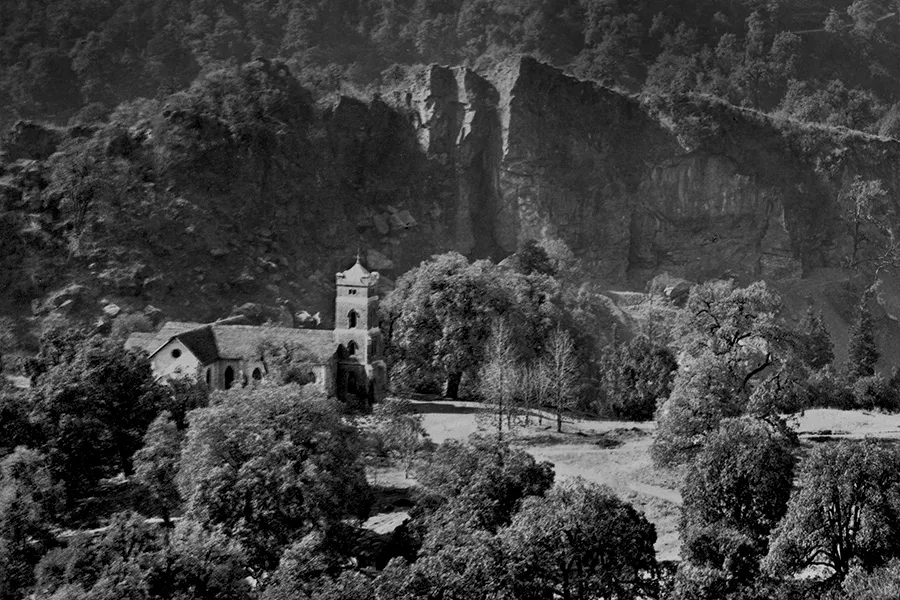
356	329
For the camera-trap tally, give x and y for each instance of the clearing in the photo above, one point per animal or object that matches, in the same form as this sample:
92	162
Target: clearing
615	454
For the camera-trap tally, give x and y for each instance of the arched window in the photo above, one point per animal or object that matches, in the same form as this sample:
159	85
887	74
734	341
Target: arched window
229	377
351	348
257	374
208	377
353	318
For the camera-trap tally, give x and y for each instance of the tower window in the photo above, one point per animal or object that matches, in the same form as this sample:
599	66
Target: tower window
257	374
229	377
351	291
351	348
352	317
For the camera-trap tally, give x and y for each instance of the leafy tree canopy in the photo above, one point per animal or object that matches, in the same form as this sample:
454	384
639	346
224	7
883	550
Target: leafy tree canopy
93	407
842	513
269	466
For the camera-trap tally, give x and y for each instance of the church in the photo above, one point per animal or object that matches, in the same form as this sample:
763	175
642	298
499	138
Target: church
347	361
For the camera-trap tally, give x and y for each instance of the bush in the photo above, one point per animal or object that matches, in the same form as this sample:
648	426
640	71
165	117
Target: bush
874	392
636	375
826	388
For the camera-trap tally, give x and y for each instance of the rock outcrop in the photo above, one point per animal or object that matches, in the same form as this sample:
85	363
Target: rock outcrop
688	185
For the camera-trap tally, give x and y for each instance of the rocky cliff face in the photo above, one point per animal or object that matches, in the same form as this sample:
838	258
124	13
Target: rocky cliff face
688	186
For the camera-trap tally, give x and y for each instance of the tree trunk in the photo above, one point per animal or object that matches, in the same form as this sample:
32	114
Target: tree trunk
558	422
453	380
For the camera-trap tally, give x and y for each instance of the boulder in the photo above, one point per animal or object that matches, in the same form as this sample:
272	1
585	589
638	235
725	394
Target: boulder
381	224
30	140
246	283
154	314
402	220
68	296
10	197
112	310
677	293
378	261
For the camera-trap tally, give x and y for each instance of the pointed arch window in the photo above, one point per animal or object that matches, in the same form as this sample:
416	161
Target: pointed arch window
351	348
353	318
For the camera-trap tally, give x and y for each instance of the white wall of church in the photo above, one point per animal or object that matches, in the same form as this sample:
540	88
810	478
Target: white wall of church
174	360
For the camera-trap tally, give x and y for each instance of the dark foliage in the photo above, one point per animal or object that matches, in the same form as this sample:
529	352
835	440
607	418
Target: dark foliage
76	60
862	351
92	406
635	376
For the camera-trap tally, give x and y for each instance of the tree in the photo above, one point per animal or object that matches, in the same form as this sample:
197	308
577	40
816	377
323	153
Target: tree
156	465
320	566
269	466
862	351
482	485
562	371
398	427
7	339
870	215
29	504
465	563
440	314
133	559
635	376
579	541
731	341
845	511
93	408
832	103
499	379
753	71
735	492
16	428
705	392
183	395
881	583
817	347
532	258
287	362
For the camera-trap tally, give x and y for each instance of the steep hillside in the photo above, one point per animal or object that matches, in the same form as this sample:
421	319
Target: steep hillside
243	189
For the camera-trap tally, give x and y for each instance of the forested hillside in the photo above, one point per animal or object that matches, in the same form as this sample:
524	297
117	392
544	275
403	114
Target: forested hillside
199	156
828	60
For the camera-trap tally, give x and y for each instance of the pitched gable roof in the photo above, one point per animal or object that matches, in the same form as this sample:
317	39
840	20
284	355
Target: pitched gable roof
243	341
202	343
151	342
216	341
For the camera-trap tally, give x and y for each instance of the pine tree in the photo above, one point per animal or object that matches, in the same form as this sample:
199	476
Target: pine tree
862	353
818	348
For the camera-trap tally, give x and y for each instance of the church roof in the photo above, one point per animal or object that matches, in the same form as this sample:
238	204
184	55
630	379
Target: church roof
357	275
151	342
212	342
202	344
241	342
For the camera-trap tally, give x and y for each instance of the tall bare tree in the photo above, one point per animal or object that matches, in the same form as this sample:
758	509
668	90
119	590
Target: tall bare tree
500	378
562	373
